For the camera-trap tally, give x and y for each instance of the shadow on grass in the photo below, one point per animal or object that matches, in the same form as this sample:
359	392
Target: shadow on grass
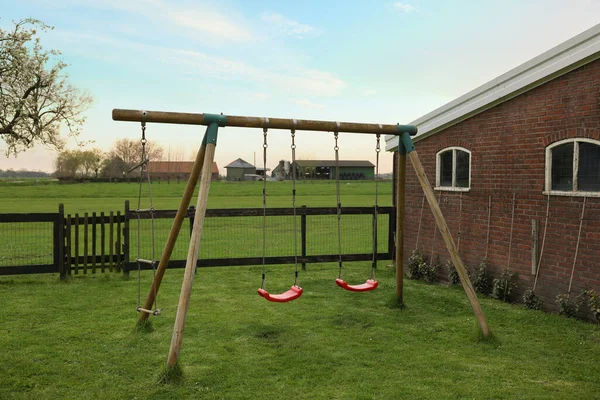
144	327
395	303
171	375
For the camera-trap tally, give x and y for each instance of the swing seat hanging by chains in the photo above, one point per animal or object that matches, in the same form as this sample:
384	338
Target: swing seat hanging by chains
371	283
295	291
143	166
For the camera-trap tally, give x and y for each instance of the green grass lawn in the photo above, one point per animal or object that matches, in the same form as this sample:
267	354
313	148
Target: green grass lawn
76	339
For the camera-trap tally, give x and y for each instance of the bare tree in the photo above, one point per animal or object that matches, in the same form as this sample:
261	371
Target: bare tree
35	97
129	151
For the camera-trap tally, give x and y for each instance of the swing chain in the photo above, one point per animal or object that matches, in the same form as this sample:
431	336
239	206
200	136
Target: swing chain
336	148
144	168
293	147
375	210
264	244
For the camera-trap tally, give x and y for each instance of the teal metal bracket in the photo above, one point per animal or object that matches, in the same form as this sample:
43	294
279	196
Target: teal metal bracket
405	143
218	118
211	133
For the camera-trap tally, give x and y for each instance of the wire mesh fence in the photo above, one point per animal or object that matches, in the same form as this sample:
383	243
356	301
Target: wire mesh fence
113	241
26	243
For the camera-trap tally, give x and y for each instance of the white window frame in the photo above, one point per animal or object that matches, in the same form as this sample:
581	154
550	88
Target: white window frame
575	192
452	188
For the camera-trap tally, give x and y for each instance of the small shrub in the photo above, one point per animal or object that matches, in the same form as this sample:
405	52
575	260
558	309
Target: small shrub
502	287
566	307
531	300
453	277
592	300
430	270
417	263
480	278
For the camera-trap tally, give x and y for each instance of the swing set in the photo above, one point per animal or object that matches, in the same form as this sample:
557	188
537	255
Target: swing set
202	171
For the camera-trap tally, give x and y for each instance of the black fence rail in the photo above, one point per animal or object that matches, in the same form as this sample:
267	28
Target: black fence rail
111	242
234	236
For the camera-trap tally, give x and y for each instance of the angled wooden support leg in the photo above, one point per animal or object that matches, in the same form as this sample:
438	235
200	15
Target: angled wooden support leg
443	227
174	233
194	248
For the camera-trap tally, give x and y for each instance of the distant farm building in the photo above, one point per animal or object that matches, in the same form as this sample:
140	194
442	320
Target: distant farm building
176	169
240	170
326	169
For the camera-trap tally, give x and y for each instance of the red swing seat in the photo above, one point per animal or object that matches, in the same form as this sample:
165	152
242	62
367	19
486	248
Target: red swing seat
370	284
292	294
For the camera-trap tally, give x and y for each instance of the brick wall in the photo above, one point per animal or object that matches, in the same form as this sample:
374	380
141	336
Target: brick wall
508	145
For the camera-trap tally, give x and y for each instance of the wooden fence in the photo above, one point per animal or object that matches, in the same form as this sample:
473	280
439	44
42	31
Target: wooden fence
92	243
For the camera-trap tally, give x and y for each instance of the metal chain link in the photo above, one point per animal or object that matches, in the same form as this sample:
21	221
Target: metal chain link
264	244
375	210
336	148
144	169
293	147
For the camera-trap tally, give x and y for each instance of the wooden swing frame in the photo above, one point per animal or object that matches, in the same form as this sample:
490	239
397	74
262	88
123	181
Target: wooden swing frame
202	169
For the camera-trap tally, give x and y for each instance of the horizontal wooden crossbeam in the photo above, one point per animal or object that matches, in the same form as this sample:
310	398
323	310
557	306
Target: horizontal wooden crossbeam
260	122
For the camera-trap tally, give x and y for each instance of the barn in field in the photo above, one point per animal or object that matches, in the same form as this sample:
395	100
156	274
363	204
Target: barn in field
176	169
516	169
240	170
326	169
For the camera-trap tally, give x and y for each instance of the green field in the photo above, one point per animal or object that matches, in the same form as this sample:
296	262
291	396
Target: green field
89	197
76	339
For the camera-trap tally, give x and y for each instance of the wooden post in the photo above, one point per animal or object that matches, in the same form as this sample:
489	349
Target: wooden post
175	228
111	238
400	189
94	247
60	242
443	227
303	234
102	241
194	248
68	245
126	241
76	243
85	242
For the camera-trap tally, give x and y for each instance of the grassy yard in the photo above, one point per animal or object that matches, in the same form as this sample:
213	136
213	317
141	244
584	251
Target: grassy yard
76	339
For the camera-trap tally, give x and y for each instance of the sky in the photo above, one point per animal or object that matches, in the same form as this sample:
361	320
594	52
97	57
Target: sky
374	61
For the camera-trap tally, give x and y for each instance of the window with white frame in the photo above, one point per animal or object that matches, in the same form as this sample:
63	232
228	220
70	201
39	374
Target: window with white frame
573	166
453	169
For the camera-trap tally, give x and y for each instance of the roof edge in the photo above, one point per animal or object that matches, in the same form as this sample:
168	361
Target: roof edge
566	57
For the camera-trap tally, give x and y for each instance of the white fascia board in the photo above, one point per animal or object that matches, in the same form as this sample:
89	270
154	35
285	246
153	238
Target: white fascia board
572	54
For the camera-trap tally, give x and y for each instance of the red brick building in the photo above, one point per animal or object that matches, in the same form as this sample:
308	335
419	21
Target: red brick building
176	169
532	133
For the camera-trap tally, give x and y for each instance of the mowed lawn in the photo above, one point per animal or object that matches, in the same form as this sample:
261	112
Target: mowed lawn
76	339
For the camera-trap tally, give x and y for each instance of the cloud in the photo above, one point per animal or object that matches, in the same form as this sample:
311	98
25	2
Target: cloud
404	7
210	22
289	26
300	80
201	17
309	104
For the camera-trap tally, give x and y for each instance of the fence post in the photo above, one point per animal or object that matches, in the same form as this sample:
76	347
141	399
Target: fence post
303	234
126	240
192	213
59	242
392	233
374	227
